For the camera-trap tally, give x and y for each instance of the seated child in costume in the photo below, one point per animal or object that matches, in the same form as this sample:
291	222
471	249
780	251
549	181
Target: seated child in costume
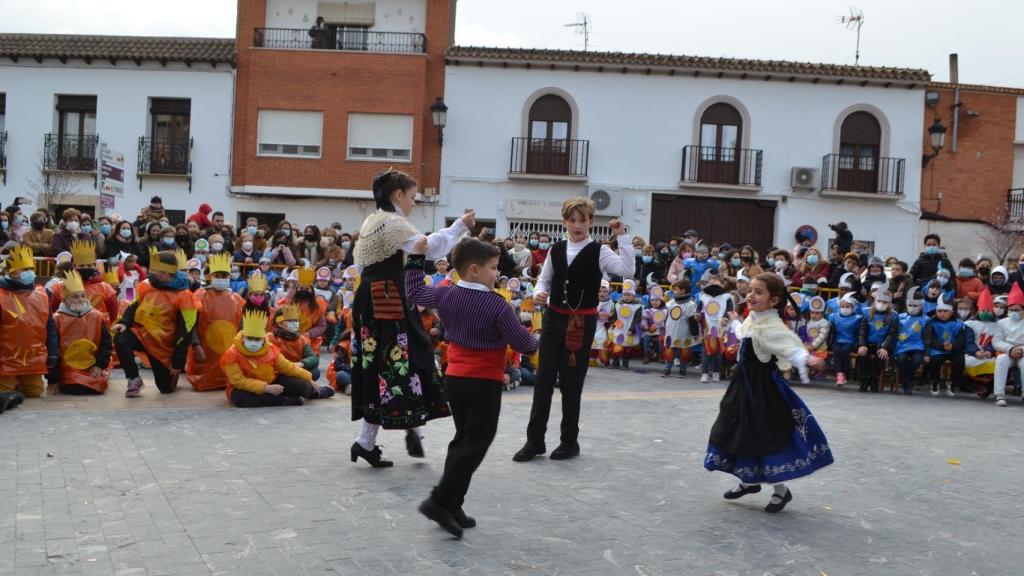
910	348
258	374
980	354
295	346
944	341
843	332
875	341
83	342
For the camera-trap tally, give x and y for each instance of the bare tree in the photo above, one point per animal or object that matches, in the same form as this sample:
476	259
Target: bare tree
1000	236
52	187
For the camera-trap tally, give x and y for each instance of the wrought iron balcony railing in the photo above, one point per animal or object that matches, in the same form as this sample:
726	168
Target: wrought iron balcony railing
1015	205
70	152
557	157
717	165
3	156
340	38
869	174
159	156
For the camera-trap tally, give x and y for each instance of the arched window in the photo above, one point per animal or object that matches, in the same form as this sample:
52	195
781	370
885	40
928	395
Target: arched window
860	139
549	138
721	129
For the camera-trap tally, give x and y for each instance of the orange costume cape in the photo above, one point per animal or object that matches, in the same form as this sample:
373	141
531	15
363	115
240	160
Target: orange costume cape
23	320
79	338
220	314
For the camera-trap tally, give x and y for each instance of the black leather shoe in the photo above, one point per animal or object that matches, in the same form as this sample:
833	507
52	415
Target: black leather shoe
743	491
462	519
528	452
431	509
12	398
413	444
564	452
773	508
372	457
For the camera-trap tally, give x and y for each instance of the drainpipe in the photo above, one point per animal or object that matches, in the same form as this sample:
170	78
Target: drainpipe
954	79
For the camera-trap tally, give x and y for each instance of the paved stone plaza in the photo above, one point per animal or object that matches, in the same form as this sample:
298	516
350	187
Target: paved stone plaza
187	485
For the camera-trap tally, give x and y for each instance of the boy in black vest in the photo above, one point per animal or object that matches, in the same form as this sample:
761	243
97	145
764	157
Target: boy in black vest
568	285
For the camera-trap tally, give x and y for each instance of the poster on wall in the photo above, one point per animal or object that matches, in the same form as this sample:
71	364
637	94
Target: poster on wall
112	171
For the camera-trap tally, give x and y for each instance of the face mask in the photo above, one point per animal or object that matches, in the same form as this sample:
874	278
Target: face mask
846	311
38	224
674	249
881	306
913	310
310	238
998	281
534	243
965	272
346	245
291	326
86	273
942	280
326	241
27	277
713	290
125	233
647	259
253	345
544	245
1015	316
72	226
235	275
963	314
257	299
736	262
780	264
201	258
4	224
812	259
87	229
984	270
251	230
105	229
217	246
771	262
247	246
79	308
168	241
687	255
931	250
221	284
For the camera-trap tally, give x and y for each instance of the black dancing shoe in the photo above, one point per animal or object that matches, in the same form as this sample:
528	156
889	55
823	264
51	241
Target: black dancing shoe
413	444
778	502
741	491
462	519
431	509
564	452
16	398
528	452
372	457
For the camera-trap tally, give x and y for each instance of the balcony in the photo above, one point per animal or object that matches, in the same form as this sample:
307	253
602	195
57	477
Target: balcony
721	167
70	152
862	176
350	39
162	157
549	159
1015	206
3	157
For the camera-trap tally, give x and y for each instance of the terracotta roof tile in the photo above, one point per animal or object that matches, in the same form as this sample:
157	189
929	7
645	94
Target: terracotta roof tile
691	63
148	48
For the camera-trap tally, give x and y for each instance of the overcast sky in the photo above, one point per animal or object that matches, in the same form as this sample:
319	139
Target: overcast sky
904	33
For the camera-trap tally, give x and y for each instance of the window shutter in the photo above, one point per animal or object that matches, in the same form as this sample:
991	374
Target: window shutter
290	127
177	106
76	103
343	13
388	131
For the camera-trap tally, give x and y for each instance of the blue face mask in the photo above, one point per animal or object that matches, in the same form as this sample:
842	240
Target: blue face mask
812	259
105	229
125	233
534	242
544	245
771	262
27	277
1015	316
168	241
4	224
86	228
966	272
931	250
647	259
251	230
346	244
674	249
736	262
942	280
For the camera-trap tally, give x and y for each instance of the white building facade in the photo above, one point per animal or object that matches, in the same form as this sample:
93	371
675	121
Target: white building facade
164	104
745	152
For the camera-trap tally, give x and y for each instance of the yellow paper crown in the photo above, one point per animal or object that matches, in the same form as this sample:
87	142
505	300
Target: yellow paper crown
73	282
306	277
21	259
288	312
112	278
83	252
182	259
157	265
220	263
254	324
257	282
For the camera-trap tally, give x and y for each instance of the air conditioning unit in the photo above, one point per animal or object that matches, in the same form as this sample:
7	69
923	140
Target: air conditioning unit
803	178
607	201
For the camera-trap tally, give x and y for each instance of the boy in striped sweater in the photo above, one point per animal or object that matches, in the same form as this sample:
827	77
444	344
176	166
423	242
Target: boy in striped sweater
479	326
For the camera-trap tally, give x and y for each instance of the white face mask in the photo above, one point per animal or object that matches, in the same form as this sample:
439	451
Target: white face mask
913	310
253	345
881	306
963	314
216	246
78	308
72	226
846	311
291	326
221	284
246	245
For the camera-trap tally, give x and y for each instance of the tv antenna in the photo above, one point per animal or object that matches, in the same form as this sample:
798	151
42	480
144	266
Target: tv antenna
853	22
582	27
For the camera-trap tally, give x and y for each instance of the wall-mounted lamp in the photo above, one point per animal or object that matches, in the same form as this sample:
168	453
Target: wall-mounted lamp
439	111
937	136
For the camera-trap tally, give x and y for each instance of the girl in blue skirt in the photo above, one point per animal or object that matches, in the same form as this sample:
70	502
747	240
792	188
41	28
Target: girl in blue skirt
764	433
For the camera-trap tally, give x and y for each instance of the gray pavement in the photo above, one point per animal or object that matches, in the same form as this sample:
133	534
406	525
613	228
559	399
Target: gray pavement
184	484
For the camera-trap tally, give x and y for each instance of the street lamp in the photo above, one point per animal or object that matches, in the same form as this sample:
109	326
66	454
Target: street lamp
439	110
937	137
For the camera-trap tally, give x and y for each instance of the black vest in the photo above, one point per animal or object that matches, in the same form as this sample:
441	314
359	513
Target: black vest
575	286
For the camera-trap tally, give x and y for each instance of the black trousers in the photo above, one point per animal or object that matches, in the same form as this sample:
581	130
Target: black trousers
293	388
127	343
475	404
554	365
956	373
869	367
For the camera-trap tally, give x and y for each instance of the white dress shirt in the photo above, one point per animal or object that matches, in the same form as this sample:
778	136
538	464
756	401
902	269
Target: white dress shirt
622	263
439	243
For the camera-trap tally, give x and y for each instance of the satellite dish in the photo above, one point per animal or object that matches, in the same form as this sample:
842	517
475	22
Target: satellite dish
602	199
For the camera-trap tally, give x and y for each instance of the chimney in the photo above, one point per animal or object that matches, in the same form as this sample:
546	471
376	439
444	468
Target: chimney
954	70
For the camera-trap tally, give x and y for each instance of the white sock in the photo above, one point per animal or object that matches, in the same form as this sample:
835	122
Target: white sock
368	435
780	490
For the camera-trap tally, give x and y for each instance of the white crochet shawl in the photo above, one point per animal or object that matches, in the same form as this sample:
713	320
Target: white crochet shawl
771	337
381	235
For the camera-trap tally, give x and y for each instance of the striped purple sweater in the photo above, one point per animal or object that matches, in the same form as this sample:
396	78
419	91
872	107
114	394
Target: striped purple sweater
472	318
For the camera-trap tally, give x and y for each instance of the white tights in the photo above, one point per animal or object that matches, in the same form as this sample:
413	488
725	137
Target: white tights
780	488
368	435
